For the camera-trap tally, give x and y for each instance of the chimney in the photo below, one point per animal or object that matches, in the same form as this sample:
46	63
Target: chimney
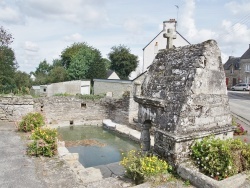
171	24
230	57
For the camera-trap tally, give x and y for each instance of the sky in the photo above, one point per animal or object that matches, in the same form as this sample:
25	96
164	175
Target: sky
42	29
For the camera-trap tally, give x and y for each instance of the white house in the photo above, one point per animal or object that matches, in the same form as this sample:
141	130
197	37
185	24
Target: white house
112	75
159	42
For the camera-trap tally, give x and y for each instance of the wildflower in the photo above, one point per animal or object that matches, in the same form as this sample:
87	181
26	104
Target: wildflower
207	158
229	167
218	173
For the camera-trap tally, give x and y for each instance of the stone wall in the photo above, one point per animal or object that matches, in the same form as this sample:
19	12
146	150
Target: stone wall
66	110
12	108
71	110
117	109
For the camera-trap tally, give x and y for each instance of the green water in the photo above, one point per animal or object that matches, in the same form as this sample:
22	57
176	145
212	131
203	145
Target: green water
114	145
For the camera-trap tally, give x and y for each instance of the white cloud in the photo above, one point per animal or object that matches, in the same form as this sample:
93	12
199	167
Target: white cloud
76	11
30	46
187	25
238	7
73	38
10	14
234	33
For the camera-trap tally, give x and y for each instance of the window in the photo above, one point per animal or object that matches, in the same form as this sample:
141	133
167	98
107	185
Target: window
156	48
232	70
247	67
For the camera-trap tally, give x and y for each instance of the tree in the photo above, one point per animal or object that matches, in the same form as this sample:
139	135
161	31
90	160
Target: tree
43	68
22	81
122	61
8	67
8	63
57	74
83	62
69	53
5	38
107	63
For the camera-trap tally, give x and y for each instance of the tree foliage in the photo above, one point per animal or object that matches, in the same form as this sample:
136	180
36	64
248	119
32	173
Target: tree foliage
57	74
5	38
43	68
83	62
122	61
8	67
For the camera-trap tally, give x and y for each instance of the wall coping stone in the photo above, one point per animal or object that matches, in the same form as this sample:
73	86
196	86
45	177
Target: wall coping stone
190	172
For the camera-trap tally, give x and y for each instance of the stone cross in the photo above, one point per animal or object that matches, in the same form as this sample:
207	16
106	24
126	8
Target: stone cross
170	36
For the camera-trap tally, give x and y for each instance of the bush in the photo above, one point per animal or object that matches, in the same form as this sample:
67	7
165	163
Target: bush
44	142
139	166
31	121
220	159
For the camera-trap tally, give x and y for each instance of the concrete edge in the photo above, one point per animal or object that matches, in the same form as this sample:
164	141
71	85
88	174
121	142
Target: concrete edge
191	173
241	118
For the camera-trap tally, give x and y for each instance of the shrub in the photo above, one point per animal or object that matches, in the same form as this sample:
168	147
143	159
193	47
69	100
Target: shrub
44	142
220	159
139	166
240	130
31	121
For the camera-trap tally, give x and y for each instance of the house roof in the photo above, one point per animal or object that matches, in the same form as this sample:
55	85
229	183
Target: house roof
160	33
232	61
108	73
246	55
35	87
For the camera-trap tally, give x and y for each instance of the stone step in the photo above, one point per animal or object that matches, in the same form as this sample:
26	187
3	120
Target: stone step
109	183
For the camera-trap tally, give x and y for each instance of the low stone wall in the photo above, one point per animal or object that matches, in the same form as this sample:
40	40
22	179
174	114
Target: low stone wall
65	110
12	108
117	109
71	110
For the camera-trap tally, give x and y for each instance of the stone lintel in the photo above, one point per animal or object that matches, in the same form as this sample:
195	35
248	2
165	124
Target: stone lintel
177	138
150	101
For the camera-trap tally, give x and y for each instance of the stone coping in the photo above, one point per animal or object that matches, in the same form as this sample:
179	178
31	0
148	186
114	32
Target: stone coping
197	135
191	173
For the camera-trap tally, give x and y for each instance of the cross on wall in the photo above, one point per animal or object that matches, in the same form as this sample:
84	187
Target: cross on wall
170	37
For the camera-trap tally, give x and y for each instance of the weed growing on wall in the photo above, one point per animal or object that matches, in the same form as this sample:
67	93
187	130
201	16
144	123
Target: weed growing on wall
44	142
139	166
31	121
220	159
90	97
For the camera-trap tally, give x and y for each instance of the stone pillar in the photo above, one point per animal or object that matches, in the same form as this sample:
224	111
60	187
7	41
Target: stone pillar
145	137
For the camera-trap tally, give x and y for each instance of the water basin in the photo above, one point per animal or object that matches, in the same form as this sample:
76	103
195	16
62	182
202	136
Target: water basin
95	145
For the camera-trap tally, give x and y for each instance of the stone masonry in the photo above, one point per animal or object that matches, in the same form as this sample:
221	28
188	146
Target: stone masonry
183	98
12	108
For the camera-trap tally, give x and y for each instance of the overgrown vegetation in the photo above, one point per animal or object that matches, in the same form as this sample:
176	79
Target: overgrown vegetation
220	159
239	128
139	166
31	121
90	97
44	142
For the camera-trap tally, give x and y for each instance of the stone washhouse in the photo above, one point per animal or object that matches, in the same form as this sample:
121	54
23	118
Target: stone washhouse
183	98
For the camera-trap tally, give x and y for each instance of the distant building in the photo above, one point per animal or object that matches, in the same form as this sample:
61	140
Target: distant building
112	75
70	87
159	42
237	69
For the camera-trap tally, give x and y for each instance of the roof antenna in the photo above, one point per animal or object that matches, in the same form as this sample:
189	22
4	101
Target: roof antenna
177	14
